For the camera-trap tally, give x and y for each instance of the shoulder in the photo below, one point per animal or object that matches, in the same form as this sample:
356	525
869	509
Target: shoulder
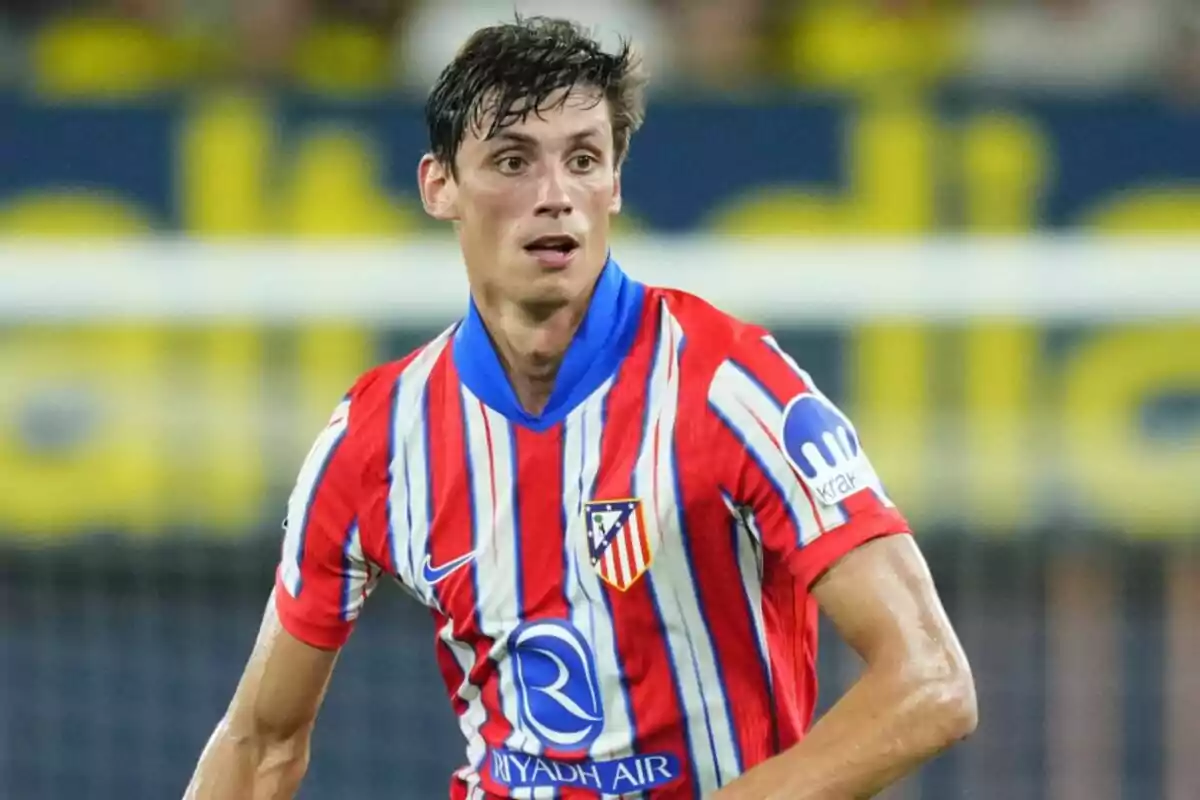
706	326
370	406
718	341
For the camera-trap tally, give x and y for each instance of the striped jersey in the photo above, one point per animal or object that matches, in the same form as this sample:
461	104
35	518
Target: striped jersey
619	585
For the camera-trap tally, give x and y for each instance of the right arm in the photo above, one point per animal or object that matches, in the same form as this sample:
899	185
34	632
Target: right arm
260	747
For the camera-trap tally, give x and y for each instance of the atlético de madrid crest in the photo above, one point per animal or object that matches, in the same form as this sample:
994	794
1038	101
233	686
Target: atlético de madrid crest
618	541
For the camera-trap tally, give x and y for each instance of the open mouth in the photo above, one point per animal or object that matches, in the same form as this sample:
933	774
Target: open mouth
556	244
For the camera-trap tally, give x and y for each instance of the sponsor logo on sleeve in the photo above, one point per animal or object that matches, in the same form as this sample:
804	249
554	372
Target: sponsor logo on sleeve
823	449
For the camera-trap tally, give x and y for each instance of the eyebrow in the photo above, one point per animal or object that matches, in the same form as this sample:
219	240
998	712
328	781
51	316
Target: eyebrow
515	137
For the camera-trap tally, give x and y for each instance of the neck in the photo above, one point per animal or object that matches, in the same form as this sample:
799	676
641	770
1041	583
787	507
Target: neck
531	344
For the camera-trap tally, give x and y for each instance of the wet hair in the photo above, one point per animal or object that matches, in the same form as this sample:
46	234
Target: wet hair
503	73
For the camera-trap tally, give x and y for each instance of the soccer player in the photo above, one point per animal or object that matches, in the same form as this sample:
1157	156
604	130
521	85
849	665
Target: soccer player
622	507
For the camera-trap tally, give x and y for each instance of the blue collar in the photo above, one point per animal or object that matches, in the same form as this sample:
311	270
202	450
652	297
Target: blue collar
604	337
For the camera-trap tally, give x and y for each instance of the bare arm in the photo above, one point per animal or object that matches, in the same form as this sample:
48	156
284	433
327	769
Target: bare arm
915	698
259	749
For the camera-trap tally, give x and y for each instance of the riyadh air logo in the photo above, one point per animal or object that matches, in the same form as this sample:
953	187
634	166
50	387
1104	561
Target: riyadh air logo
558	690
823	448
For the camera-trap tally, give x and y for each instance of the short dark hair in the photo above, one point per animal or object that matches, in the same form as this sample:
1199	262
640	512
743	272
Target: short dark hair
510	70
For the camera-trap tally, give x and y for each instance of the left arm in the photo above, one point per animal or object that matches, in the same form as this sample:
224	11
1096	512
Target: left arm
914	699
796	465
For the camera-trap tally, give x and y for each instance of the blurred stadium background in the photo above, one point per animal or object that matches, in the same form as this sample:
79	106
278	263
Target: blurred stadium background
976	222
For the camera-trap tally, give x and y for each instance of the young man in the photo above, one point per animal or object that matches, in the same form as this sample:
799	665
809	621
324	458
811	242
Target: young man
621	506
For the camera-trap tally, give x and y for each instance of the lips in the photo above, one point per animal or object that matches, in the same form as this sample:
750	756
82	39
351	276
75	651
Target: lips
558	242
553	251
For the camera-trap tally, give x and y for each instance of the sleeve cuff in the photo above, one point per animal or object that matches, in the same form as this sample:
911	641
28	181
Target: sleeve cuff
811	561
295	620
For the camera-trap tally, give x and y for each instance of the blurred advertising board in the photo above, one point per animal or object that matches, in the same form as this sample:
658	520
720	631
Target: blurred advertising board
221	164
161	388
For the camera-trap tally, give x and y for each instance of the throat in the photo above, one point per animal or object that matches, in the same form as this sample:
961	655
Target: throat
534	386
532	353
533	364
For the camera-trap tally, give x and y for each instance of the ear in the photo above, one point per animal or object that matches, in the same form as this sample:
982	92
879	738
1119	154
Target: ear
438	189
614	206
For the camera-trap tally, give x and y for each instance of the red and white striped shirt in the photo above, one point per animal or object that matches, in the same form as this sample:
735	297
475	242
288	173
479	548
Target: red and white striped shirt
619	587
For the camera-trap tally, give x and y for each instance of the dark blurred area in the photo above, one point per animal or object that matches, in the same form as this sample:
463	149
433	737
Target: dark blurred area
302	117
121	47
1049	455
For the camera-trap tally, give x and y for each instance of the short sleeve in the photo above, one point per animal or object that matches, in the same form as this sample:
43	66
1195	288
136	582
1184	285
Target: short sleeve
792	465
323	576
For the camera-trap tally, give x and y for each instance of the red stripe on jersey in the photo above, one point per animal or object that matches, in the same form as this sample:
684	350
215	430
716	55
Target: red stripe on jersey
373	405
538	471
643	532
790	620
452	535
718	581
863	504
448	665
657	714
491	470
655	434
789	615
539	516
377	430
781	534
761	361
315	615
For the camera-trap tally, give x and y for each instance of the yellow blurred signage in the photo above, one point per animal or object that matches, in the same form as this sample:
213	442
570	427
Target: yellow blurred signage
906	169
995	426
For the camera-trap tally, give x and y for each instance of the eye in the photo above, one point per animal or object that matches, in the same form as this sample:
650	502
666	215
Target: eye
510	164
583	162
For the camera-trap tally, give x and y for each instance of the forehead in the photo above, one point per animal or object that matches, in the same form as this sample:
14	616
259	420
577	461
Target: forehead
563	116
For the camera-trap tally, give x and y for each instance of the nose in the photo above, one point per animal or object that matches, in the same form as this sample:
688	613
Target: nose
553	198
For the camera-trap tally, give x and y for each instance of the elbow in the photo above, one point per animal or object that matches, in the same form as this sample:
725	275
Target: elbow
240	761
949	708
284	751
278	752
961	710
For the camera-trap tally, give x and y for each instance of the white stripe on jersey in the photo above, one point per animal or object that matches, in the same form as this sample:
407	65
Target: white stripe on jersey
583	431
361	576
470	722
497	565
745	406
408	498
750	565
300	501
709	726
770	342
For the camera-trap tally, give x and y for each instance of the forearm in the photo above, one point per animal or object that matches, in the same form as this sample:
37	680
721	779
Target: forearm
878	732
256	767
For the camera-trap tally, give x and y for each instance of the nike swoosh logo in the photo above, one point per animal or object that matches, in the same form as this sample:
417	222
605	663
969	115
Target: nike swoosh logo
434	575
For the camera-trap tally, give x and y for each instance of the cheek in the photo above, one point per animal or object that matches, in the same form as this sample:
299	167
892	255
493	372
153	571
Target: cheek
485	212
597	196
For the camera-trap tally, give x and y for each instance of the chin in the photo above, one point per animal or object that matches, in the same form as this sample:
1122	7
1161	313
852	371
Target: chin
553	289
